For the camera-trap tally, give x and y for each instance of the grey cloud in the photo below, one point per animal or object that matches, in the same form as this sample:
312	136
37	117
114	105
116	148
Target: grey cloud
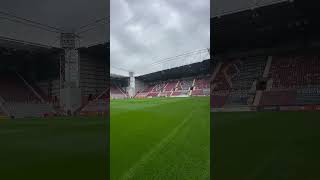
153	29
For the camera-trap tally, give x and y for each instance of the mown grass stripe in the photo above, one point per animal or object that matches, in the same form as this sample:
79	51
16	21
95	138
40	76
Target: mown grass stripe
148	156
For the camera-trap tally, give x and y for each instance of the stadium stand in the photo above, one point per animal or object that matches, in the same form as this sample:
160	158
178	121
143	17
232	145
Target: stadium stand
264	64
14	90
183	81
274	98
171	85
31	87
117	93
20	100
293	79
185	84
236	79
177	87
295	71
201	86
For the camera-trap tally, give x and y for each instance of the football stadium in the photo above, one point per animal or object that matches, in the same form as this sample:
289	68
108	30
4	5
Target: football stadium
160	90
163	119
265	90
50	75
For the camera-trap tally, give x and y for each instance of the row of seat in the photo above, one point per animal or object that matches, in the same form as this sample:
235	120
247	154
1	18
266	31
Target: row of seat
294	79
117	93
235	79
190	86
19	99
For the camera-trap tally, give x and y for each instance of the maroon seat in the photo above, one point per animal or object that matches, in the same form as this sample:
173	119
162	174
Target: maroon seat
278	98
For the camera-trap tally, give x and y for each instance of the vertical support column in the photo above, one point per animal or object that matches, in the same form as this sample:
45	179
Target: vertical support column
72	75
132	85
70	94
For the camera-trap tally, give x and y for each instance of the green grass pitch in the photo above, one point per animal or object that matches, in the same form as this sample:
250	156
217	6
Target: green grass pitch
53	149
266	145
163	138
160	139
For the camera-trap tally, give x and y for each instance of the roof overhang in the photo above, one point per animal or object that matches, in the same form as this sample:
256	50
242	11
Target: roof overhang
266	27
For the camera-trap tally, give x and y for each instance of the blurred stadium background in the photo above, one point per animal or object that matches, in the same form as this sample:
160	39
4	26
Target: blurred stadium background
265	89
265	56
51	70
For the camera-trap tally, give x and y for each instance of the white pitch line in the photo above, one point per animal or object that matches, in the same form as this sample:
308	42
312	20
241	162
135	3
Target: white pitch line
148	156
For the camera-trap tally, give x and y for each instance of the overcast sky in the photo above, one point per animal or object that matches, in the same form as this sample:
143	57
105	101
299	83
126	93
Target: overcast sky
145	31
